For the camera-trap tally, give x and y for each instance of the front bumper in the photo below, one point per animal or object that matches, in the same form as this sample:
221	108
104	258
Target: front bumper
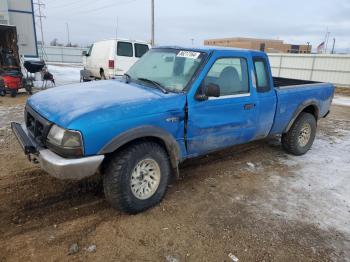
55	165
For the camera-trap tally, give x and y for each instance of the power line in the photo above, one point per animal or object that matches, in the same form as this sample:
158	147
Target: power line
70	3
82	12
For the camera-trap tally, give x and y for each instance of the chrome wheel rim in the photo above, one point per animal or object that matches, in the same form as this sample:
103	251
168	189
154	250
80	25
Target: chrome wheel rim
304	135
145	178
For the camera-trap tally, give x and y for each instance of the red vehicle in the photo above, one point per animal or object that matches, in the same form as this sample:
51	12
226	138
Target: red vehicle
11	77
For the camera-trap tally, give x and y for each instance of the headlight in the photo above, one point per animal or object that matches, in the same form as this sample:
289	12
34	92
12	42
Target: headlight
68	143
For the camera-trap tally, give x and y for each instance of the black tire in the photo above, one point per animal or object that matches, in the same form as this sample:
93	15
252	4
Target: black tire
291	141
28	86
13	92
2	87
29	90
118	173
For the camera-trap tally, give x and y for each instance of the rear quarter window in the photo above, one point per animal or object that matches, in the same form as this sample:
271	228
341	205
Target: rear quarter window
262	75
124	49
140	49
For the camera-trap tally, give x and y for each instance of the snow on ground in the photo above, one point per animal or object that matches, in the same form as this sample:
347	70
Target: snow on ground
64	74
318	189
341	100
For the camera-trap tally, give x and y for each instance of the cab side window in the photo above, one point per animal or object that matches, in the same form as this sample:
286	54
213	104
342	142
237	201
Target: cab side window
261	75
140	49
124	49
230	74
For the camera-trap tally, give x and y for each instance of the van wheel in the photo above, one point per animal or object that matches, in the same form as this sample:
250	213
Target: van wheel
137	177
300	137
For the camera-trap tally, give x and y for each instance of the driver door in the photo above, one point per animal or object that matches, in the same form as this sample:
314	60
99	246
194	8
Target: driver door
229	119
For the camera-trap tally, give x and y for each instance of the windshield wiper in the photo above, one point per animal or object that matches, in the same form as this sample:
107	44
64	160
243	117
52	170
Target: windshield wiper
154	83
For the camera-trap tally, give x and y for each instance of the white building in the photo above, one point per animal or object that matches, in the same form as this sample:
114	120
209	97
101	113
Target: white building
20	13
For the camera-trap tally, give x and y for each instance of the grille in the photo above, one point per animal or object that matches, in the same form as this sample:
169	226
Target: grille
37	126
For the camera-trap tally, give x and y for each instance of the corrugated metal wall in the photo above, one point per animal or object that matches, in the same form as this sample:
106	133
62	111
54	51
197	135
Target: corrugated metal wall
21	15
317	67
62	54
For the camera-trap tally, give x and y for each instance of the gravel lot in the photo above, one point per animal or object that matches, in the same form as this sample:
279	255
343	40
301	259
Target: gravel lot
253	202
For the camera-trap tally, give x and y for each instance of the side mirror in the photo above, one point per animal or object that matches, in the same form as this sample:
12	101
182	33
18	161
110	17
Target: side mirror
84	53
212	90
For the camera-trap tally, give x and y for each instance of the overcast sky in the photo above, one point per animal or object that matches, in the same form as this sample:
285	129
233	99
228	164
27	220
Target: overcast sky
177	22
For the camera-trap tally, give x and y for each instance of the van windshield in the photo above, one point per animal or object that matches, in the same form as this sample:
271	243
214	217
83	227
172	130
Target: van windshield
171	68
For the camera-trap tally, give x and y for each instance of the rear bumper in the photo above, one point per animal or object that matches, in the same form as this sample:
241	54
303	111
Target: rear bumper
55	165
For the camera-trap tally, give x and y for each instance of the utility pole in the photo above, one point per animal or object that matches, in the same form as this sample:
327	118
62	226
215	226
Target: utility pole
152	22
308	47
192	41
68	39
333	45
40	15
326	40
116	29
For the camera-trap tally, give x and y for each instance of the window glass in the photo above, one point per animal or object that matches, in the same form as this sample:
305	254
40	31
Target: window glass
231	75
124	49
262	80
169	67
140	49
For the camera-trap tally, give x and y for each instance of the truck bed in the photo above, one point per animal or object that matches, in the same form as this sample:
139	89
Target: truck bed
293	93
280	82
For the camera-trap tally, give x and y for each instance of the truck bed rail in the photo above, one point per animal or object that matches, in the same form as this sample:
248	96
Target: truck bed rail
281	81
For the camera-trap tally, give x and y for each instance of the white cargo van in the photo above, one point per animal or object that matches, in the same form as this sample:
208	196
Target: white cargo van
113	57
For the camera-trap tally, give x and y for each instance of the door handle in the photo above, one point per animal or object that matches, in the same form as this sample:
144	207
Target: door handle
249	106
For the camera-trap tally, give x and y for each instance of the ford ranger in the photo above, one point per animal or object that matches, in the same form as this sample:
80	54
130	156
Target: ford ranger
174	104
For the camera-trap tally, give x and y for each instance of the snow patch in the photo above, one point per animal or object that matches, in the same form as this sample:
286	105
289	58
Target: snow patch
319	190
63	74
341	101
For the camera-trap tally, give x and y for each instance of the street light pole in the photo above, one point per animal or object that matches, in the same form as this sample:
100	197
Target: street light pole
152	30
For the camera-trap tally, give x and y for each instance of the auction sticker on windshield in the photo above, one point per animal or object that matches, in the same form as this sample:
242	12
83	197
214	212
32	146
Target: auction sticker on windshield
188	54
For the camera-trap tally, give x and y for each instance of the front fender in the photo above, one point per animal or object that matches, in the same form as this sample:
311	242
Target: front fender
130	135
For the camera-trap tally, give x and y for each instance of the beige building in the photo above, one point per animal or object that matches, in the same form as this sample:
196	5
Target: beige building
266	45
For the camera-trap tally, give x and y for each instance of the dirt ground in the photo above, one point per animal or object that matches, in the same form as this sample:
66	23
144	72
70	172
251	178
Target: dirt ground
240	201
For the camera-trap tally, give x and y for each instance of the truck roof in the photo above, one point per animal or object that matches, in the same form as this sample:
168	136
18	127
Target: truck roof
208	49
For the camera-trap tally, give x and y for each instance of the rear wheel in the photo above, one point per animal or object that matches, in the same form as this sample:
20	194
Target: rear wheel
300	137
137	177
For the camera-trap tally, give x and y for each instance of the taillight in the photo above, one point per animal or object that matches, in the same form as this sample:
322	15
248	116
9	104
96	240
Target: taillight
111	64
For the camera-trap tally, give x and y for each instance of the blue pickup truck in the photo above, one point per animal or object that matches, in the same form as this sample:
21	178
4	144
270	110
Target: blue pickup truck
174	104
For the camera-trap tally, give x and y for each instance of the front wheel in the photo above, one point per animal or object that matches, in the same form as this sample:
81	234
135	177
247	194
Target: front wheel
300	137
137	177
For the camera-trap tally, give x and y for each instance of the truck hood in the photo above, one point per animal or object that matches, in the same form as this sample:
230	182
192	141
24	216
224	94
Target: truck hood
102	101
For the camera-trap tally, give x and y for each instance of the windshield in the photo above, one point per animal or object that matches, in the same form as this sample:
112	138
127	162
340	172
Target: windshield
170	68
